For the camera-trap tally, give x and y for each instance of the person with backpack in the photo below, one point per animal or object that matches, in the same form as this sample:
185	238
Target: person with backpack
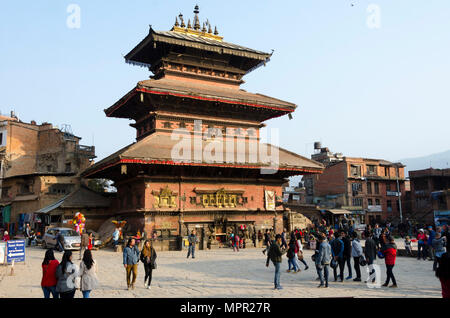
148	258
323	260
337	251
274	254
390	253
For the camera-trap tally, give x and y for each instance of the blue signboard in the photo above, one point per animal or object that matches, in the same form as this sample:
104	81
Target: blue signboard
15	251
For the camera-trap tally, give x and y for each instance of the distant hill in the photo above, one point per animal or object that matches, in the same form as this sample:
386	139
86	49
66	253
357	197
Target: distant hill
437	161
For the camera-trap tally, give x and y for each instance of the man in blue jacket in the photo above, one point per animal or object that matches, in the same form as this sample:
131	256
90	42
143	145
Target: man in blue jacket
130	260
431	236
337	251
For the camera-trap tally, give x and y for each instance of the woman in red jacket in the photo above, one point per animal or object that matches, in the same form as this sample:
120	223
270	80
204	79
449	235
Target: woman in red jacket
48	282
390	254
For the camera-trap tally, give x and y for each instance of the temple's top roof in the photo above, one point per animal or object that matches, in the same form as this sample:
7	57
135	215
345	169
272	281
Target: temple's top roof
157	149
157	44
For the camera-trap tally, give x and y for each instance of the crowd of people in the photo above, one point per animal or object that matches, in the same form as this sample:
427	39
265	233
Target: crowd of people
334	250
337	249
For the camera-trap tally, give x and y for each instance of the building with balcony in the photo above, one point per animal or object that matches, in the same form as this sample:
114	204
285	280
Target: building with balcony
370	189
39	164
430	195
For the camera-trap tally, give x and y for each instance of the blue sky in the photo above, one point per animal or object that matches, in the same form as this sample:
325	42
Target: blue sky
380	93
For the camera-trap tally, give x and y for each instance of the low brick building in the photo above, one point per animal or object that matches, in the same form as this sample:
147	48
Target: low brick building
39	164
368	188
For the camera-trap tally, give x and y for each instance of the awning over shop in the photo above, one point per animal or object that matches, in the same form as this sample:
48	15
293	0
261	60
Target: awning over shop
338	211
52	206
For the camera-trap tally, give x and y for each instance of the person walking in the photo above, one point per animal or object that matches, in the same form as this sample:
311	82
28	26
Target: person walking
60	241
347	253
236	243
67	274
292	254
370	251
337	251
130	260
88	270
300	256
274	254
357	253
49	280
192	242
390	254
439	248
148	258
421	246
283	239
323	260
376	235
267	241
84	243
431	236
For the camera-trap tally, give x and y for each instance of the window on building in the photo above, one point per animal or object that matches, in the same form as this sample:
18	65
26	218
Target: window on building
386	171
357	201
356	187
26	188
377	188
5	192
389	205
167	125
369	201
49	168
369	187
182	124
355	171
68	167
388	187
377	202
1	139
60	188
371	169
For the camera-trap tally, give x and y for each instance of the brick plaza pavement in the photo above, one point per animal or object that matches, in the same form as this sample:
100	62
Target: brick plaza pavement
220	273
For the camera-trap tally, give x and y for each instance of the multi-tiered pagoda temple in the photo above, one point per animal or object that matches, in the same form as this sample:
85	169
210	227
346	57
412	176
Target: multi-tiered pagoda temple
198	161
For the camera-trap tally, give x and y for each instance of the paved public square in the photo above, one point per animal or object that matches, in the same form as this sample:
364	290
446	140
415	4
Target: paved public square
220	273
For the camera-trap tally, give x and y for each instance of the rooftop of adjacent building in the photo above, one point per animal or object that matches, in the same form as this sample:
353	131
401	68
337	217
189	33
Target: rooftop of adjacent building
325	156
430	172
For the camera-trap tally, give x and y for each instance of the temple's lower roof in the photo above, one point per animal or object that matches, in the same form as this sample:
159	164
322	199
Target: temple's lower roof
158	149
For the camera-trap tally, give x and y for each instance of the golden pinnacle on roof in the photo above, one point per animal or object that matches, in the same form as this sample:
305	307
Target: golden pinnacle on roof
190	29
